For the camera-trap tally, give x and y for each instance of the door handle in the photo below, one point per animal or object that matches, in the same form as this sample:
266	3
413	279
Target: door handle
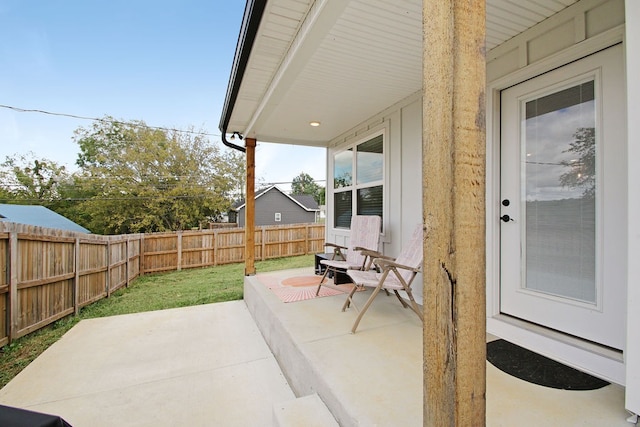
506	218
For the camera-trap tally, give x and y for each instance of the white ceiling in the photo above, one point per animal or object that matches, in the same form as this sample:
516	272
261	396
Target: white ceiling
341	62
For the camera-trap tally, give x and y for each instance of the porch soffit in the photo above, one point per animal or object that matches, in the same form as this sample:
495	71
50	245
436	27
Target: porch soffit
341	62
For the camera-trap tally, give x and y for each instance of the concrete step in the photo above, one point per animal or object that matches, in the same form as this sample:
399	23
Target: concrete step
308	411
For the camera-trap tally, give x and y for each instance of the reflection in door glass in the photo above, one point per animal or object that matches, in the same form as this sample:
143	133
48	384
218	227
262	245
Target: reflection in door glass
559	159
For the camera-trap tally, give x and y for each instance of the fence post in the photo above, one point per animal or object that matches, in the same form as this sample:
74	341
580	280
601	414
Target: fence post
108	278
76	276
179	266
141	257
13	284
306	239
126	272
215	246
263	236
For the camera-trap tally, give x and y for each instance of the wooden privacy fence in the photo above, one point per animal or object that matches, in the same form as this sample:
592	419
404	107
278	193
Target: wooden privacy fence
48	274
202	248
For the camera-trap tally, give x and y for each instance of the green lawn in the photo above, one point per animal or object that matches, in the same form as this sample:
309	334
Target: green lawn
147	293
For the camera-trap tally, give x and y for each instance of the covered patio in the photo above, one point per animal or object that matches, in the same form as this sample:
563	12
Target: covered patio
213	365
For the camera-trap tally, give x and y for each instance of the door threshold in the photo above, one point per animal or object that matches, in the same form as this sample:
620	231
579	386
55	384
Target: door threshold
598	360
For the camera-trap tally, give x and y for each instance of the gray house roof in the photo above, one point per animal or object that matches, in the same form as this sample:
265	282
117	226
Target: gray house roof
306	201
38	216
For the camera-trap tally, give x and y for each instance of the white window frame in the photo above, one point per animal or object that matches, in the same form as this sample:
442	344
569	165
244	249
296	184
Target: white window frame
354	187
277	217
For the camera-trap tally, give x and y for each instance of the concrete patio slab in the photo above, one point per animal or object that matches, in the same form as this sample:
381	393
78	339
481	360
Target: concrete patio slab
197	366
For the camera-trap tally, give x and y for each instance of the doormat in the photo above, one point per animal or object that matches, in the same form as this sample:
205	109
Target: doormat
537	369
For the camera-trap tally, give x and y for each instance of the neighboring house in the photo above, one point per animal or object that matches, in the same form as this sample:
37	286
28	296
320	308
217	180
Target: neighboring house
274	207
38	216
562	130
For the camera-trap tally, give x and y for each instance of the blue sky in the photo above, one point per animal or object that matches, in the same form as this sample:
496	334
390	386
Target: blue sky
164	62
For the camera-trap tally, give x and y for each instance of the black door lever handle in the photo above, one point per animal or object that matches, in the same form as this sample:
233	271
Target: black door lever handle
506	218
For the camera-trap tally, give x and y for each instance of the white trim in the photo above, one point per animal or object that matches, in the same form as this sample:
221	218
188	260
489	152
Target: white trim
632	44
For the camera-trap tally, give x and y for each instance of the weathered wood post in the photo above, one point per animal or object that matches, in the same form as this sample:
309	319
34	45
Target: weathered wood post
454	212
250	210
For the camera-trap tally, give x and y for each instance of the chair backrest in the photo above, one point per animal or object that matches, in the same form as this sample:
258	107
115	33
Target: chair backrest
411	254
365	233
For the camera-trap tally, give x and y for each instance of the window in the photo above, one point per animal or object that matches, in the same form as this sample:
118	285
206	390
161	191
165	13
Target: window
358	181
278	217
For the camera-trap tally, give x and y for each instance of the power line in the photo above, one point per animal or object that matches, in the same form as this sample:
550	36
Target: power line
103	120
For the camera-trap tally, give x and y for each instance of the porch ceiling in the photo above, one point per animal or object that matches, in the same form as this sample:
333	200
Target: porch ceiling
341	62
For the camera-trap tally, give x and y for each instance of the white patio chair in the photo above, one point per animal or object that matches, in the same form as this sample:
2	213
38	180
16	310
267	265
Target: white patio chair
363	246
394	275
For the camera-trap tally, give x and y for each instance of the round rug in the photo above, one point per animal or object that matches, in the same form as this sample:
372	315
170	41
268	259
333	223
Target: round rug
302	281
537	369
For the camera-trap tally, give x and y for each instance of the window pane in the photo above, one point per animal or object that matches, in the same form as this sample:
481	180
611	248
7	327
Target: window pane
343	169
559	153
342	210
369	161
370	201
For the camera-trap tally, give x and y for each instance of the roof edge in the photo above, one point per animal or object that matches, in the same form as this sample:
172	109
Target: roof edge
253	12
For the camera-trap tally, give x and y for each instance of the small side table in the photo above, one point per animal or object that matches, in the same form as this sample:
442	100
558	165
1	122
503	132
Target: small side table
341	277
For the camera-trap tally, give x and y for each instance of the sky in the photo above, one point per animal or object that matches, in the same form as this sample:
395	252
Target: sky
164	62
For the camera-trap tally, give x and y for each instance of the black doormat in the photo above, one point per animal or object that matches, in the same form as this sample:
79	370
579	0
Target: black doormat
537	369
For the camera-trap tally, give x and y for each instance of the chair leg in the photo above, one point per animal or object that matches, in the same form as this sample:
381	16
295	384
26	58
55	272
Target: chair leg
324	276
364	309
414	305
404	304
349	300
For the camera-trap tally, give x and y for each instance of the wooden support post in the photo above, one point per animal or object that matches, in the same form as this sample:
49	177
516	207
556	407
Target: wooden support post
454	212
250	210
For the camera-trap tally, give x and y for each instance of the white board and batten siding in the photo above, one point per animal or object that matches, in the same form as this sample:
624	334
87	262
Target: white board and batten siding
402	124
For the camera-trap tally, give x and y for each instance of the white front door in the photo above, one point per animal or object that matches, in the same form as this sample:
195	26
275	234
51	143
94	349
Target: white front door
563	203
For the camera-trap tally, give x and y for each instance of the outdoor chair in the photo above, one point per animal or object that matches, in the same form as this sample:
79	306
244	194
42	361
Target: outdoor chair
363	247
391	275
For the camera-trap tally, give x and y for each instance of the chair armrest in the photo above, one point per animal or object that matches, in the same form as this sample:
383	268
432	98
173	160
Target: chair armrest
369	252
333	245
385	263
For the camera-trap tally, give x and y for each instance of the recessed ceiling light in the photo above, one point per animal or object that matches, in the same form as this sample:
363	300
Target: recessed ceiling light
314	124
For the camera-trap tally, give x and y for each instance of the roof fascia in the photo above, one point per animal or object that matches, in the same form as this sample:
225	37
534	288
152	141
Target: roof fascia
253	12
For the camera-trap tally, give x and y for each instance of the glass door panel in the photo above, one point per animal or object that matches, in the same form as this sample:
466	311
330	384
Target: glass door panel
558	195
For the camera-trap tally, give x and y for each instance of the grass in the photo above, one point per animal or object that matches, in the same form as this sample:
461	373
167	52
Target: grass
147	293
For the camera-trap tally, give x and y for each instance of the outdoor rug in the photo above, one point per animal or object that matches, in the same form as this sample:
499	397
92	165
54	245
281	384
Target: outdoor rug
301	288
537	369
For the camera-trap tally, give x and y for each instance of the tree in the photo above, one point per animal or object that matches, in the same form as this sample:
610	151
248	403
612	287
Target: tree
29	180
582	172
139	179
304	184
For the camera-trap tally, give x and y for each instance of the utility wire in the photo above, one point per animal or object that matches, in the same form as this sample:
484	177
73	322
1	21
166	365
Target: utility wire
103	120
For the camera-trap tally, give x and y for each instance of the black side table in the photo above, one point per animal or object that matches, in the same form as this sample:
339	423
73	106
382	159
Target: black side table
341	277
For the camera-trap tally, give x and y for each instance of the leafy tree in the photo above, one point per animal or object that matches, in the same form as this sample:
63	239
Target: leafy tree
304	184
139	179
29	180
234	168
582	172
